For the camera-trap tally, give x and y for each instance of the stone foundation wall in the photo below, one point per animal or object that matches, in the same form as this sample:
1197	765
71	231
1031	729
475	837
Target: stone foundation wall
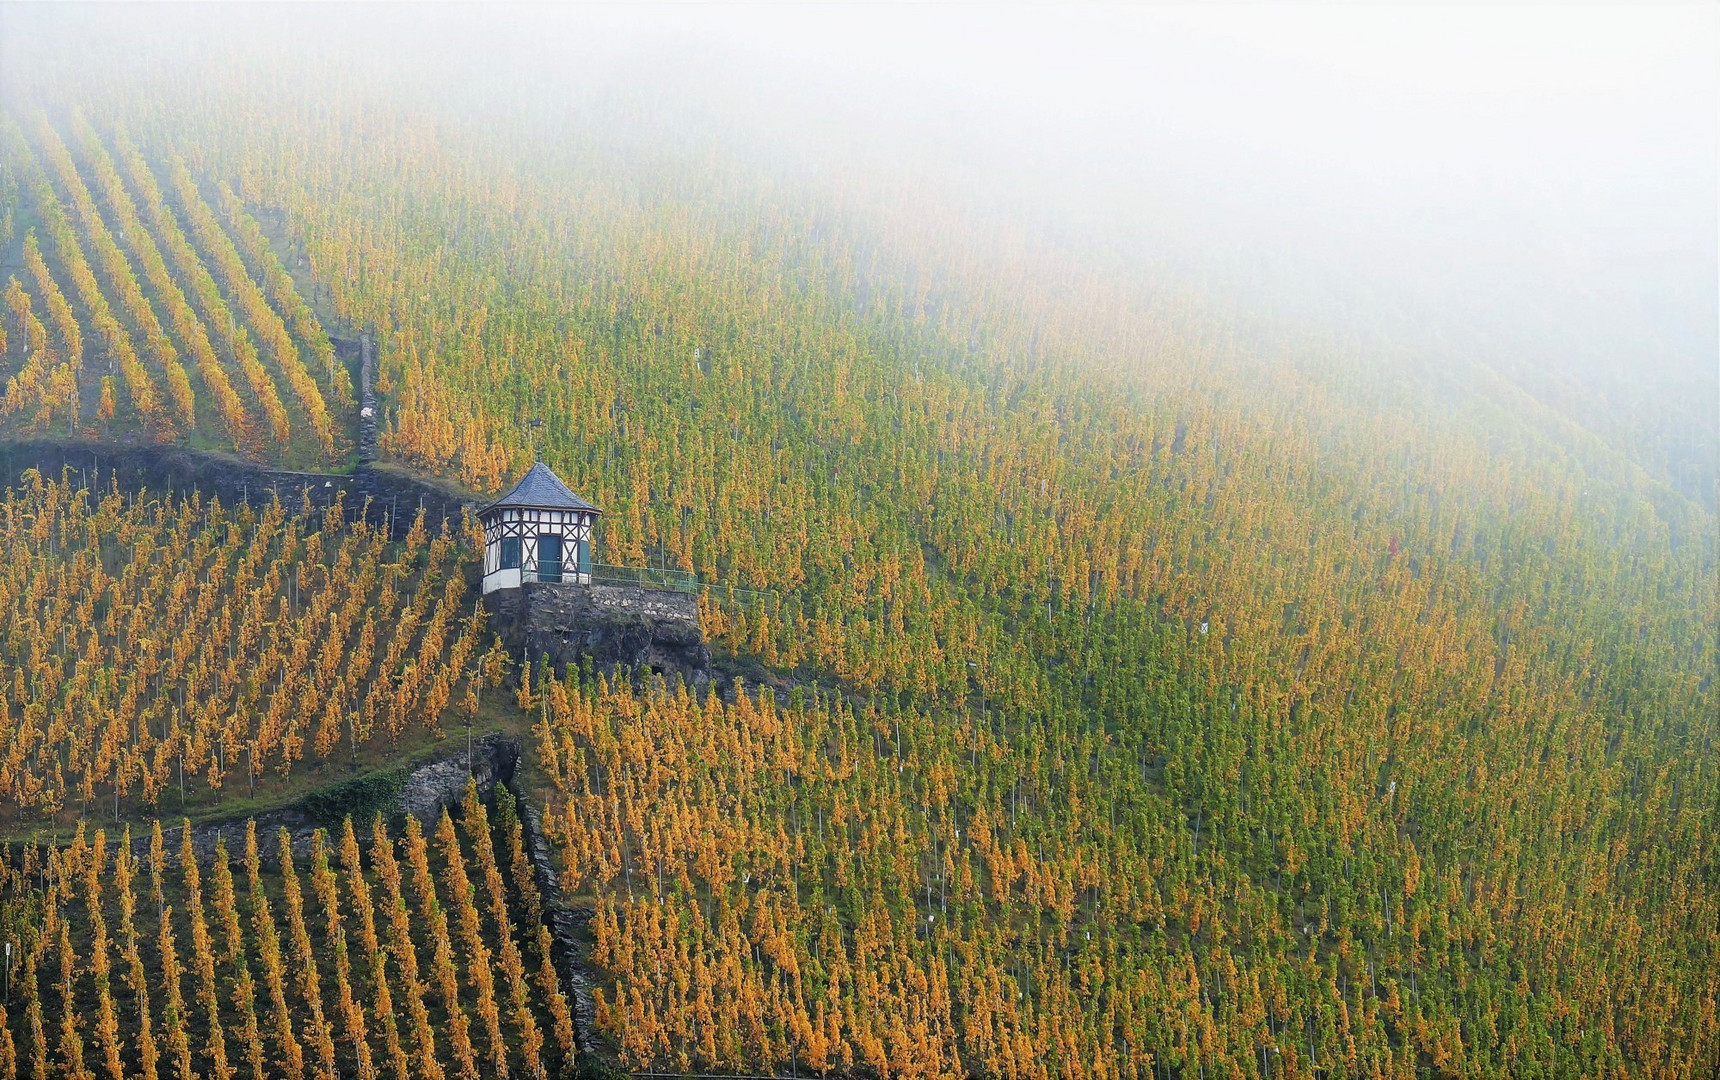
614	625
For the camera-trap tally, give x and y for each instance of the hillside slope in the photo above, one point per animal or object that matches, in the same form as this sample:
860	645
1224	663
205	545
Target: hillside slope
1211	702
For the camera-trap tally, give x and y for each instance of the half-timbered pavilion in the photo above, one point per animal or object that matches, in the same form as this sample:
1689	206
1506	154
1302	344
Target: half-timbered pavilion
539	531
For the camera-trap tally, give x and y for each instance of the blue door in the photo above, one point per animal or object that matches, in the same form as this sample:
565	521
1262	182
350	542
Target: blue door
549	557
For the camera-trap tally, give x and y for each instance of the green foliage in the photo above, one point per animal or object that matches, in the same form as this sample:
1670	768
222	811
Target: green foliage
592	1067
360	798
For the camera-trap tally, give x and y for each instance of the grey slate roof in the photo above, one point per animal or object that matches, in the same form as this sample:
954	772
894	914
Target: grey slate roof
542	489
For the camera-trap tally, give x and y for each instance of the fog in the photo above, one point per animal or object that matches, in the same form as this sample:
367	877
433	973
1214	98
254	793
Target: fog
1532	188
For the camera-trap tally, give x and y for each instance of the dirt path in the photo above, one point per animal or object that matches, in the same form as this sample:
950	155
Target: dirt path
366	401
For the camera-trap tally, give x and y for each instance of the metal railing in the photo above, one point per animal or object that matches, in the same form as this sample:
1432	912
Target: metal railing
529	572
646	577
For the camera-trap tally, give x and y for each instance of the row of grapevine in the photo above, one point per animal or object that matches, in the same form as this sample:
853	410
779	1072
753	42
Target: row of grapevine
43	378
185	322
230	269
128	227
204	292
115	339
282	293
266	953
297	637
120	277
59	311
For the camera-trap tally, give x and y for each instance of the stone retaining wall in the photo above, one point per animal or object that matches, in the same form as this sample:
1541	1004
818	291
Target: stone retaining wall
614	625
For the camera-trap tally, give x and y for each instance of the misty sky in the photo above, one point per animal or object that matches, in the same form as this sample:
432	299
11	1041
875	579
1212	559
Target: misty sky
1538	181
1532	180
1478	156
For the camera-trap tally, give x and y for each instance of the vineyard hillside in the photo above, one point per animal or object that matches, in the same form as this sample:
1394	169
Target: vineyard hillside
147	312
1111	685
409	955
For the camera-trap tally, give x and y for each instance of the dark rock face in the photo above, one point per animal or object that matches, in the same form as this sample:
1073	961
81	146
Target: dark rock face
206	835
614	625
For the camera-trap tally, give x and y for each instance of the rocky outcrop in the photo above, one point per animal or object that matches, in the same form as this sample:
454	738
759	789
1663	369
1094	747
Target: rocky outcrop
625	626
440	785
566	925
205	836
